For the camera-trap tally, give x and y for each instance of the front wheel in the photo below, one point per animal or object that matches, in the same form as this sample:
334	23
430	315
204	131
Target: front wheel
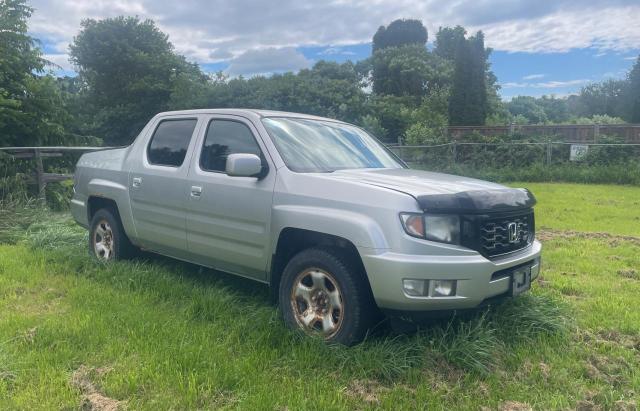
322	294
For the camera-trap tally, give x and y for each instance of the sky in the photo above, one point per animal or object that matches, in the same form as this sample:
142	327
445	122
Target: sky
539	47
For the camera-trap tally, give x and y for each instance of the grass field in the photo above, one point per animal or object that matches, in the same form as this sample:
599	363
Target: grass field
158	334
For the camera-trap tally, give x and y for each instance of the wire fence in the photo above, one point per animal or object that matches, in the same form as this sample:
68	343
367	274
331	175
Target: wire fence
516	154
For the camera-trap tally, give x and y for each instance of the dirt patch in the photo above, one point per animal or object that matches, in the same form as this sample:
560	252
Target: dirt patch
514	406
93	400
629	273
609	369
587	405
618	338
622	405
366	390
546	234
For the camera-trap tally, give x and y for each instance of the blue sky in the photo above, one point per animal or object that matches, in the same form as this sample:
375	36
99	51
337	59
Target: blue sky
540	47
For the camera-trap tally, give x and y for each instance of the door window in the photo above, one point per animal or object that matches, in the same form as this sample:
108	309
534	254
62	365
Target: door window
170	141
226	137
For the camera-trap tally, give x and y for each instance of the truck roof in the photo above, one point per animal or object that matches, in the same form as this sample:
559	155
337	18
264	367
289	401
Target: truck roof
246	112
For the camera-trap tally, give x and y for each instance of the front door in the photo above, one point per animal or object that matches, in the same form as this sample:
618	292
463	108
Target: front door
157	186
228	217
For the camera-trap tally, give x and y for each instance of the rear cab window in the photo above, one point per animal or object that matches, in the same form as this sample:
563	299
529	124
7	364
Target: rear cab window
170	141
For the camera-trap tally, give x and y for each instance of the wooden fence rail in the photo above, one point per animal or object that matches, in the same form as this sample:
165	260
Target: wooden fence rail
39	177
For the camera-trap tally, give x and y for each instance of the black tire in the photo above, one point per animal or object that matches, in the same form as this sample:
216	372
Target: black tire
120	246
358	310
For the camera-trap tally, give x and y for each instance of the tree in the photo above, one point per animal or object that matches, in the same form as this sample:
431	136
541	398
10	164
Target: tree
633	93
401	32
327	89
408	71
604	98
527	107
468	104
32	108
129	71
448	40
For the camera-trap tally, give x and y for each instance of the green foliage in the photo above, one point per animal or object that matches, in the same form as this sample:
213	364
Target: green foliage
469	103
327	89
528	108
448	40
130	71
16	216
394	113
408	71
32	108
596	119
373	126
604	98
401	32
633	93
429	120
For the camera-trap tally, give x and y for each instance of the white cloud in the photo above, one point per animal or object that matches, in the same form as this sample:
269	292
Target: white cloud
332	51
60	60
267	61
613	28
533	77
546	84
631	58
210	31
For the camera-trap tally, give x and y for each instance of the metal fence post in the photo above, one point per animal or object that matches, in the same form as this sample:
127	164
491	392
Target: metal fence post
40	175
454	152
549	147
400	148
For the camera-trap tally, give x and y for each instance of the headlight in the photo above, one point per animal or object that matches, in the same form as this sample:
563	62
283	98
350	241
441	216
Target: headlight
441	228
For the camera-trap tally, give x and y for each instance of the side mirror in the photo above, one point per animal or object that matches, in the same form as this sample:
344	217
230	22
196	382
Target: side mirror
243	165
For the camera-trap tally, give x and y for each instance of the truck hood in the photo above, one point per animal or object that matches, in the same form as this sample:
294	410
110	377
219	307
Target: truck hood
438	192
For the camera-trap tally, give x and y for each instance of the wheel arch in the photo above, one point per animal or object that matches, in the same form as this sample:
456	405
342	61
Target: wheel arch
293	240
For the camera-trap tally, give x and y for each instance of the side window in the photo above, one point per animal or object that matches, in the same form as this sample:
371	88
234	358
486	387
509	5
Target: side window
170	141
226	137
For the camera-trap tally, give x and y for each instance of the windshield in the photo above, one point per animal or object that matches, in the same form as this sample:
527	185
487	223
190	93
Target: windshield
308	146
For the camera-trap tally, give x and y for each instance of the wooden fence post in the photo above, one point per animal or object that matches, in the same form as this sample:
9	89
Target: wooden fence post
400	148
40	175
549	147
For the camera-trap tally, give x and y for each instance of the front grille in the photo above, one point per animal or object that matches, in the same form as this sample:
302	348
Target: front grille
489	234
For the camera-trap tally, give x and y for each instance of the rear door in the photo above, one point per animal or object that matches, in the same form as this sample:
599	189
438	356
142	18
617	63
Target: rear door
228	217
157	181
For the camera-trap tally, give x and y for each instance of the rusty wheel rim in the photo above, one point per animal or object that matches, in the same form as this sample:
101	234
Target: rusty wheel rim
317	304
103	241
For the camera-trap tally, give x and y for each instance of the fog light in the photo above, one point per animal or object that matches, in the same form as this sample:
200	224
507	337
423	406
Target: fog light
443	288
415	288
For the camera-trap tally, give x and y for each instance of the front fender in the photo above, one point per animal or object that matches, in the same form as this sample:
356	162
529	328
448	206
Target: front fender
359	229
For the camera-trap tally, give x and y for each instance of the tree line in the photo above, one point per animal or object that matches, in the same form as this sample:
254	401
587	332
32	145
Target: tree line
128	70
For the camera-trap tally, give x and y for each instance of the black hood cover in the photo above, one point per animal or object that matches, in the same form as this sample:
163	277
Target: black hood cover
478	201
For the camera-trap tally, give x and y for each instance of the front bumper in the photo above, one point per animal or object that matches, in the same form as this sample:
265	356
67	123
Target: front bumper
472	272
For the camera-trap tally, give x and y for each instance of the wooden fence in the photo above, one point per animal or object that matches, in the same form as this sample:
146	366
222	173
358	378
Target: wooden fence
39	177
568	133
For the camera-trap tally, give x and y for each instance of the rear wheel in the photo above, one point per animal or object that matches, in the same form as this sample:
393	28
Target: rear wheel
323	294
107	239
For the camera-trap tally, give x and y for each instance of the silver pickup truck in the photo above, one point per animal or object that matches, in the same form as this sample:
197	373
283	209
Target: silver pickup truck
336	225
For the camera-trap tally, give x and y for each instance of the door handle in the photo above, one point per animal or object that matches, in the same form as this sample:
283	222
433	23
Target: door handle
136	182
196	191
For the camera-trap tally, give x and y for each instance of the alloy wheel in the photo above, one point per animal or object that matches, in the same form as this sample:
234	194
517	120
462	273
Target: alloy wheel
317	302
